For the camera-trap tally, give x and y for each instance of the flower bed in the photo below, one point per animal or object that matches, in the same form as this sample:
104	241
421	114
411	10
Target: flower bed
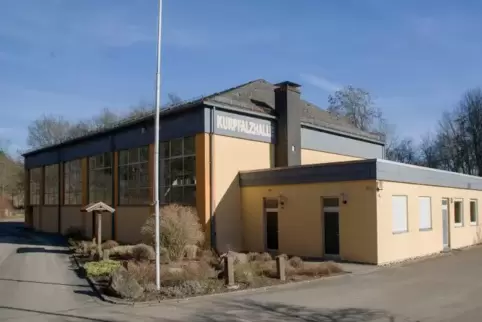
128	271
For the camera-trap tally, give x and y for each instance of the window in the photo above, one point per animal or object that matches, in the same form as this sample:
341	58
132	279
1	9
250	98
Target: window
134	187
100	178
73	183
35	182
458	213
51	185
399	214
178	171
425	213
473	212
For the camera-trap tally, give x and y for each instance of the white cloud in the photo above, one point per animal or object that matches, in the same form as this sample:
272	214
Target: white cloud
321	82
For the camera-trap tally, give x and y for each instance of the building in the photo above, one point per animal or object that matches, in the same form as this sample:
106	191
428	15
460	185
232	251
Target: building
265	170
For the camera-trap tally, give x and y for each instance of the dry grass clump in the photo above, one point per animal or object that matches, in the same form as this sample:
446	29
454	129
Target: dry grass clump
143	272
315	269
109	244
143	252
179	227
295	262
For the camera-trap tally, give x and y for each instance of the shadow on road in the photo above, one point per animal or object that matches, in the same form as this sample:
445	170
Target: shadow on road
54	314
41	282
22	250
249	310
12	232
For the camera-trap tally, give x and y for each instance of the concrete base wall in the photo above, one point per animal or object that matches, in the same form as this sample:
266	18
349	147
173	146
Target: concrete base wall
72	217
49	219
129	221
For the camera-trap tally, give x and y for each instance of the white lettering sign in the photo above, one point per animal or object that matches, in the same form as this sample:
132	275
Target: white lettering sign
243	126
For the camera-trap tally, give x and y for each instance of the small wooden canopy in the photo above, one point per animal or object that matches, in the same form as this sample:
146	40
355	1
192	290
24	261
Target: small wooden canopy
98	206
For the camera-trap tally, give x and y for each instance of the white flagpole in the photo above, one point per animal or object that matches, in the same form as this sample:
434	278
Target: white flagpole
156	147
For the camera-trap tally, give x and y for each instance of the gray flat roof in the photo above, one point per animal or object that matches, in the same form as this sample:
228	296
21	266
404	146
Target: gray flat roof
370	169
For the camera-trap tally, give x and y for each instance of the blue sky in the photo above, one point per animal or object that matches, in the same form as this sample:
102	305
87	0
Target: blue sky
74	57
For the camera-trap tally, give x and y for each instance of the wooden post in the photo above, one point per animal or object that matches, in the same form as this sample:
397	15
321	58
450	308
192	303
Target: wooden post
229	270
99	233
281	268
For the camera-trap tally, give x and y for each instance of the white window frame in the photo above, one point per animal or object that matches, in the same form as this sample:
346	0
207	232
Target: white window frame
476	222
406	229
420	227
461	224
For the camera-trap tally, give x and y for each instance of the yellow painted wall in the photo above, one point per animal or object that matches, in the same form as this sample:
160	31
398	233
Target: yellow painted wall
129	223
415	243
72	217
49	219
300	223
314	157
232	155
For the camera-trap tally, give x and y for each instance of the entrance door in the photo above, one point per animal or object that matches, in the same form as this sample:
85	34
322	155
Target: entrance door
272	230
445	223
331	223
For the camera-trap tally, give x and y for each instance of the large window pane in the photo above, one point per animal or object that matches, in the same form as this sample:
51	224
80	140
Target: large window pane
35	182
176	148
73	183
100	178
178	171
458	213
134	186
51	186
473	212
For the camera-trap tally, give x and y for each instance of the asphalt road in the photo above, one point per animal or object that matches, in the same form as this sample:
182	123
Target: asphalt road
38	283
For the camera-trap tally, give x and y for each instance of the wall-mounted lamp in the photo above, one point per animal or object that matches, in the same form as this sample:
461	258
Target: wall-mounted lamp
379	185
344	198
282	200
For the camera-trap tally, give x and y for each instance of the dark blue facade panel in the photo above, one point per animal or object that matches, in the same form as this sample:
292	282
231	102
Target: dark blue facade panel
85	149
42	158
183	124
173	126
136	136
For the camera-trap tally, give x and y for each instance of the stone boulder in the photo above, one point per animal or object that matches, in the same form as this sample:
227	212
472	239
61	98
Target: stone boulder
124	285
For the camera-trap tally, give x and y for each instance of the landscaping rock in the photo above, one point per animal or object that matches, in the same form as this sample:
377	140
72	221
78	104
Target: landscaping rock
239	258
125	285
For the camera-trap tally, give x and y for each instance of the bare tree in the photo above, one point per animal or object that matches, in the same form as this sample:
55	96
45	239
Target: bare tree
48	130
357	105
51	129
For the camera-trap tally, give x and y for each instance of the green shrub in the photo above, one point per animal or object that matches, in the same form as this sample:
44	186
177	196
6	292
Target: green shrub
101	268
109	244
143	252
179	227
295	262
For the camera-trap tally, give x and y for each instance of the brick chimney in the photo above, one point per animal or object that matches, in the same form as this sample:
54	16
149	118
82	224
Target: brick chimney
288	130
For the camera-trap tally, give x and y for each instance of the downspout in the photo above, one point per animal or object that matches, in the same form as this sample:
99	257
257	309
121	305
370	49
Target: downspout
211	180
